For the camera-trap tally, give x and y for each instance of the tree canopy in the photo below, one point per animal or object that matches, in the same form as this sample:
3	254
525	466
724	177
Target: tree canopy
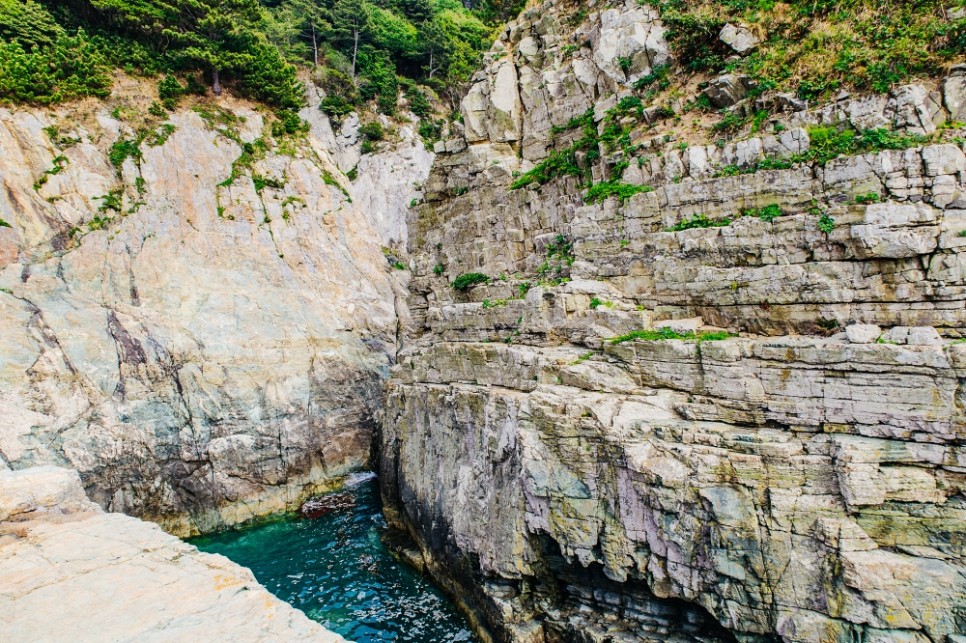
54	50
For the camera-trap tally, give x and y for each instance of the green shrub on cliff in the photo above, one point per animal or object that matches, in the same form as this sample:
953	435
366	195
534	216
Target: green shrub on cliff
816	47
665	333
467	280
40	63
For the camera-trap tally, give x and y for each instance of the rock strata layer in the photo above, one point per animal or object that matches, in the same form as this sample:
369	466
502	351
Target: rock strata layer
70	572
783	461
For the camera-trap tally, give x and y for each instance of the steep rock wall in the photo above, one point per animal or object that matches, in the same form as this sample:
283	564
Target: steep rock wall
802	480
202	330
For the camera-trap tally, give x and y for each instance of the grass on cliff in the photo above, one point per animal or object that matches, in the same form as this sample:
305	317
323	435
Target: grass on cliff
816	47
662	334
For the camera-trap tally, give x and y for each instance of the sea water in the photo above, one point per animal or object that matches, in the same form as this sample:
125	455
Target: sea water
336	569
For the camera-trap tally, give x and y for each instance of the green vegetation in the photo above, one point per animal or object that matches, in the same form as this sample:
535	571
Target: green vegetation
58	139
614	134
826	223
962	233
123	150
487	303
371	133
53	51
467	280
111	201
596	303
768	213
666	333
59	164
362	51
699	220
560	256
438	269
606	189
870	197
828	143
816	47
159	136
4	224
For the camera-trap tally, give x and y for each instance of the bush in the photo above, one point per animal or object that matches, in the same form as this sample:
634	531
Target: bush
662	334
71	68
170	90
288	123
699	220
467	280
372	131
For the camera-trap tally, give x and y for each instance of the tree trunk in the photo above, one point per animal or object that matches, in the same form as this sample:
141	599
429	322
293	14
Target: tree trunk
315	47
216	82
355	51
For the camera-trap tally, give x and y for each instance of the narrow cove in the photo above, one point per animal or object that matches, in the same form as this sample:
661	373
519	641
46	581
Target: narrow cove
337	570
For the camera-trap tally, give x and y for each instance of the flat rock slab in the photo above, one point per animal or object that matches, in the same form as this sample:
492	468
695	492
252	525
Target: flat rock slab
74	573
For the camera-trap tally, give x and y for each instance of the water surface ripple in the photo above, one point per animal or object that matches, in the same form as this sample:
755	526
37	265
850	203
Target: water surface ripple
336	569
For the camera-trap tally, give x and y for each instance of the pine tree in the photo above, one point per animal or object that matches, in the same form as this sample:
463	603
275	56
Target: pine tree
214	34
351	23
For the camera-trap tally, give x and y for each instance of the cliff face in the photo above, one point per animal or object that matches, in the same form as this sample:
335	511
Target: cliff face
800	480
195	315
169	589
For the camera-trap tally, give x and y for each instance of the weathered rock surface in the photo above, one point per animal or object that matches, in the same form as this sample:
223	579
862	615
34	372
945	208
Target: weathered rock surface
801	480
70	572
203	338
739	38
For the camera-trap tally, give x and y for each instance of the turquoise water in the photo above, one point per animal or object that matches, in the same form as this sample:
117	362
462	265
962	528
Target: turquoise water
336	569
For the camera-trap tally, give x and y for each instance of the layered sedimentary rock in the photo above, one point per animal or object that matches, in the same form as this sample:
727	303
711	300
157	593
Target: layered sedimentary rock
800	480
194	314
74	573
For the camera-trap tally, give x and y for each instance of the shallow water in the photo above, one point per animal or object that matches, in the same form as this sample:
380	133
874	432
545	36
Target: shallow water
336	569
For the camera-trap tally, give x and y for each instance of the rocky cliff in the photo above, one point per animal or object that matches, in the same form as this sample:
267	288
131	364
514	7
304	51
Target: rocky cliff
720	395
118	578
194	313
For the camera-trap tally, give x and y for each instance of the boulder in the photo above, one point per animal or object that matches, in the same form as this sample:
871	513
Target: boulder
862	333
727	90
739	38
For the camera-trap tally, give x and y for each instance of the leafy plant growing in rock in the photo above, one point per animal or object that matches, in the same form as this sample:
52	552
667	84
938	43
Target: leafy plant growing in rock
111	201
59	165
868	197
816	47
4	224
699	220
767	213
467	280
826	223
665	333
614	188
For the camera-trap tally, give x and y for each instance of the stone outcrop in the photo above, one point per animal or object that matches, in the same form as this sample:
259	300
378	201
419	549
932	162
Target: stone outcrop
785	464
62	559
195	315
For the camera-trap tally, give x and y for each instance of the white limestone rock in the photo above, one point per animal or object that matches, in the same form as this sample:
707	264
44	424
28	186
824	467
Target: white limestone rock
739	38
863	333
